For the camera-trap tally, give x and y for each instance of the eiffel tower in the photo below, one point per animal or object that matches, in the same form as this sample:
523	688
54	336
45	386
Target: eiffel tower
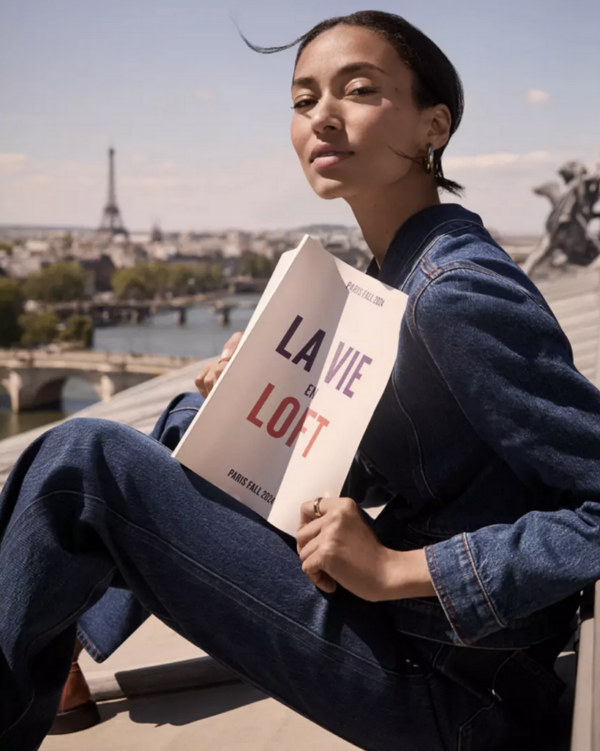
111	223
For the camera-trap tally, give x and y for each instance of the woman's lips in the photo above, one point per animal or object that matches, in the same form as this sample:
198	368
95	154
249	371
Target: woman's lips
325	162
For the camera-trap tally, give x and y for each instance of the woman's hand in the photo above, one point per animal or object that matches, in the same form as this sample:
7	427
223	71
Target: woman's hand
341	548
210	374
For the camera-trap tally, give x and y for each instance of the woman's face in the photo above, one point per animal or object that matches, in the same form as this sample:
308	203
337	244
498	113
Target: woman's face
352	95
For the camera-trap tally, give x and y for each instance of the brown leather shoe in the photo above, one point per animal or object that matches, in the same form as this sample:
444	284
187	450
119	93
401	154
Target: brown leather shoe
76	710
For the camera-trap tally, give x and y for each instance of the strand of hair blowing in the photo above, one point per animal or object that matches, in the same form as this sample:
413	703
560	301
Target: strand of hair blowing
436	79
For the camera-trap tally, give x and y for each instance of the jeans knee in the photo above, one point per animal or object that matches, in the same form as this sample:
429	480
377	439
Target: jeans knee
186	400
87	432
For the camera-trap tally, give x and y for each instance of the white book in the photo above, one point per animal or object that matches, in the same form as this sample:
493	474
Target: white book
284	421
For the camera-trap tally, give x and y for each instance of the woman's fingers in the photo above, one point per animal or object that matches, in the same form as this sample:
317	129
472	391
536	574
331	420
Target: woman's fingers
306	550
210	374
317	576
325	505
311	557
199	380
308	532
205	379
231	345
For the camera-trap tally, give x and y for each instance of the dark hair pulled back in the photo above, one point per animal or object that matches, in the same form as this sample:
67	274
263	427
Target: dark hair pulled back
436	79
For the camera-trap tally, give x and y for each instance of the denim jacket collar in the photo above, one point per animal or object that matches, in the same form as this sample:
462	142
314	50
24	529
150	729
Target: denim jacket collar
413	238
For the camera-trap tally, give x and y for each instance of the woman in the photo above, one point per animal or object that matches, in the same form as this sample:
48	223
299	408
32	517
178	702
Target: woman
437	626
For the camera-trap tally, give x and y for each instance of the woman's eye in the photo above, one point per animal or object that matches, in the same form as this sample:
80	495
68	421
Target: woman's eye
302	104
358	91
362	90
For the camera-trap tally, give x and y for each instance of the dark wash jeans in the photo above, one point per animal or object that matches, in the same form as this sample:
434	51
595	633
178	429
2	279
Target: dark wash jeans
100	526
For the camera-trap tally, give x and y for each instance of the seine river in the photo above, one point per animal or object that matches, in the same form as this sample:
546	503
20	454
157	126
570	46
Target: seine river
202	336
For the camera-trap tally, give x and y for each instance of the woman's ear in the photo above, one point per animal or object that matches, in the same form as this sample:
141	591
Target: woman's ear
440	122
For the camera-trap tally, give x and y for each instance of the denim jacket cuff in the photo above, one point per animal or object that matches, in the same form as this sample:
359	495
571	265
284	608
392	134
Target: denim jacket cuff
459	588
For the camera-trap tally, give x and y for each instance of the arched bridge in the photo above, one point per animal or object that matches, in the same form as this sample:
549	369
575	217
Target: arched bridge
35	378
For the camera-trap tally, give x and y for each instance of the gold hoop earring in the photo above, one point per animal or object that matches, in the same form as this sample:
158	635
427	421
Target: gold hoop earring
429	159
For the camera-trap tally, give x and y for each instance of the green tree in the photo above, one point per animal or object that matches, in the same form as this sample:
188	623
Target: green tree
182	279
159	272
256	265
11	307
205	276
59	282
6	247
146	281
38	328
263	267
215	271
78	329
137	283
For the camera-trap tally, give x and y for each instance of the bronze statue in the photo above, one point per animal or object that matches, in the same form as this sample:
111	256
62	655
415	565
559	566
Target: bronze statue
566	239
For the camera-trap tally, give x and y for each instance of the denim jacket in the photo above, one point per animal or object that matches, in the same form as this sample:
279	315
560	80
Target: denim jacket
486	440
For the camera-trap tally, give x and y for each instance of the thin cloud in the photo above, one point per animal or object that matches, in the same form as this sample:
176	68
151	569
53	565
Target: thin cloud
538	97
12	163
497	160
13	158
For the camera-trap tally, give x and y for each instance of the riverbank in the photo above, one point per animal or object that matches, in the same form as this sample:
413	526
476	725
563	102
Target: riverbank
202	336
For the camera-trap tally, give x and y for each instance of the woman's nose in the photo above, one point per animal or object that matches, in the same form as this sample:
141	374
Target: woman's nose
325	116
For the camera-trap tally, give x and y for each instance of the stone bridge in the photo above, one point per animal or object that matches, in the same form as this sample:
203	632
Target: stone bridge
34	379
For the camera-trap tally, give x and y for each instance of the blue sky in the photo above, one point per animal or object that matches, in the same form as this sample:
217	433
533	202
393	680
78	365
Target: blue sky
201	123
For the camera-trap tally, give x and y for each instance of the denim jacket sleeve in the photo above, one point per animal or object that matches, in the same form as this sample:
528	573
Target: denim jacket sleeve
509	366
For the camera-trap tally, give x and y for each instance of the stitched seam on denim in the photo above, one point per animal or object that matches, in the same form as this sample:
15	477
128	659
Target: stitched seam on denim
89	646
479	582
469	266
427	264
429	269
449	233
418	632
427	239
418	261
443	595
417	442
266	606
411	299
426	255
430	265
54	628
36	501
184	409
419	293
486	708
